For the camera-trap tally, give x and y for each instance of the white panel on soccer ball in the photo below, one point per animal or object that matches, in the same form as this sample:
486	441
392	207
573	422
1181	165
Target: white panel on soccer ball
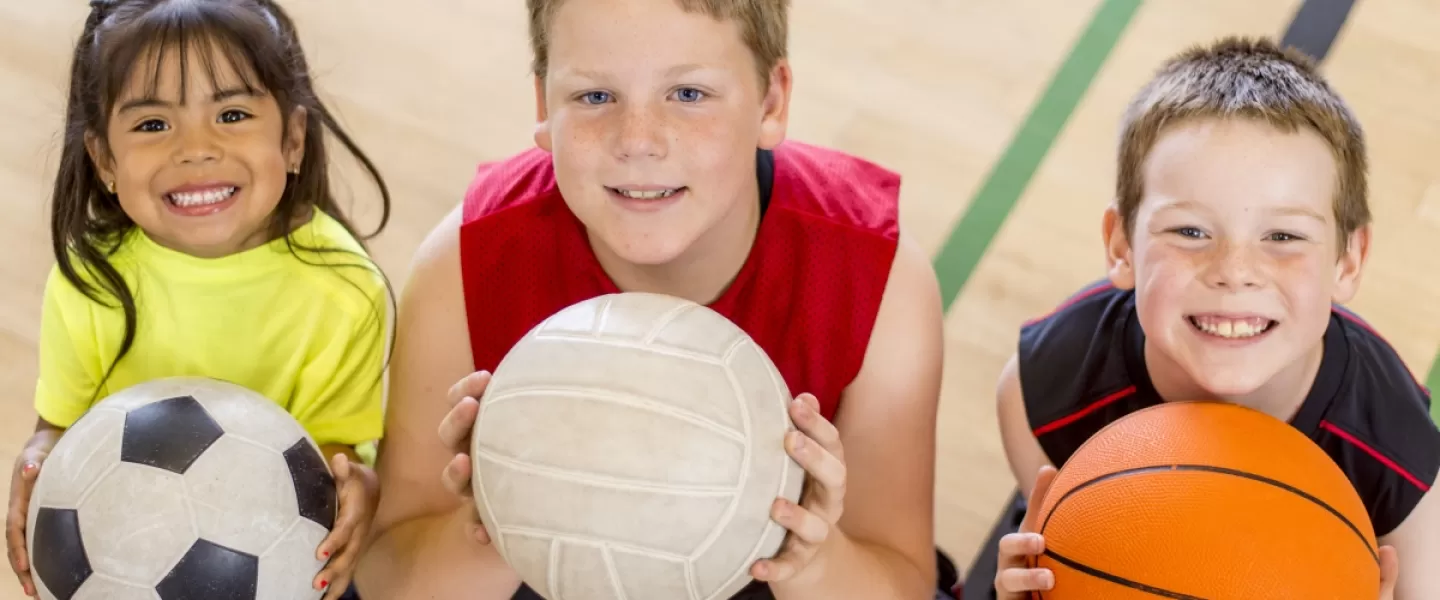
101	587
243	496
289	567
254	417
91	446
135	523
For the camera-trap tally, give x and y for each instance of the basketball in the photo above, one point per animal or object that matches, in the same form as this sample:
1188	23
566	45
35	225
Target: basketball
1205	500
631	446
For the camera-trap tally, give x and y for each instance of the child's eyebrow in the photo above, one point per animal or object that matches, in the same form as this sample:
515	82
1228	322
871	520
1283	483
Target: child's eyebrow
1299	211
153	102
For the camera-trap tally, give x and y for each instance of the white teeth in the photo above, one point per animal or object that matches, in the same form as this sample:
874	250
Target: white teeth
1230	329
651	195
201	198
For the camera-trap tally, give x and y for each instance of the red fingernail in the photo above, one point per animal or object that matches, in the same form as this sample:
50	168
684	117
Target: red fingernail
325	554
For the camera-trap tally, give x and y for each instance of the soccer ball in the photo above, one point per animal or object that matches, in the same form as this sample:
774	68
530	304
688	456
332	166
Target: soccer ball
181	488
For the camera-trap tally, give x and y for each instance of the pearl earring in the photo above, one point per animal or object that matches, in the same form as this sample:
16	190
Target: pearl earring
110	187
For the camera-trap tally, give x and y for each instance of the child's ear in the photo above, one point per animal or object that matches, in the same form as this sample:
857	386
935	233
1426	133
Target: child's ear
1119	259
295	139
775	119
100	157
542	117
1351	263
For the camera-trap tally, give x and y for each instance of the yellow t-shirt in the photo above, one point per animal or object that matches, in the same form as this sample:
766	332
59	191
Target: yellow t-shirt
311	338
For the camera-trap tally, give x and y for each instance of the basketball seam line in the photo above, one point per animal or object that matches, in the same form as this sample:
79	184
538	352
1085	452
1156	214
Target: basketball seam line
701	491
1164	593
1222	471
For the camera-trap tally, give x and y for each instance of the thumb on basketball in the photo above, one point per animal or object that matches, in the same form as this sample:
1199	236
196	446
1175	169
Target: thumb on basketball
1389	572
1014	577
1043	480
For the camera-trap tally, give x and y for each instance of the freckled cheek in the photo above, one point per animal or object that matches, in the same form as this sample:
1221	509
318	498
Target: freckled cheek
1304	282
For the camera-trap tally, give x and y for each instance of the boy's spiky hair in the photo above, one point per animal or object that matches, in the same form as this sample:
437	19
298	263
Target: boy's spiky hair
1252	78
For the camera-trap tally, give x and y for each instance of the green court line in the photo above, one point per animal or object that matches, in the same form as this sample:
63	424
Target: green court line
975	230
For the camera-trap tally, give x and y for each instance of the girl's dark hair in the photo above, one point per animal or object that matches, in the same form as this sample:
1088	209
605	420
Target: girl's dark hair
258	39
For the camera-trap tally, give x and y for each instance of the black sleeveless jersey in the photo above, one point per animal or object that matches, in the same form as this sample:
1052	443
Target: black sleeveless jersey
1083	367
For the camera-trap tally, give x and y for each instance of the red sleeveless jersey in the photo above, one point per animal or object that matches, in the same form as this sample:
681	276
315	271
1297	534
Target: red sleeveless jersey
808	293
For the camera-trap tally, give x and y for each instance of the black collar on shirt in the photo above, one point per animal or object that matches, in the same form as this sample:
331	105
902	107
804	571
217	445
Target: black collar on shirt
765	175
1328	380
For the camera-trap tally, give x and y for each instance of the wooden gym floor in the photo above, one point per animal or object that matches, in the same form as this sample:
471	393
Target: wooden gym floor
935	90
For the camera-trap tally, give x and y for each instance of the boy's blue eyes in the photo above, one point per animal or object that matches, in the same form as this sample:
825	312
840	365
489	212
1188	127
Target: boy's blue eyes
1196	233
687	95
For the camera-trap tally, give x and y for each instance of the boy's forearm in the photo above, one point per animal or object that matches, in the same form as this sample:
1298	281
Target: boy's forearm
860	570
427	557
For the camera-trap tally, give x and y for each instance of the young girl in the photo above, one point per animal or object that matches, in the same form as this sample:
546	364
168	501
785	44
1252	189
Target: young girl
196	234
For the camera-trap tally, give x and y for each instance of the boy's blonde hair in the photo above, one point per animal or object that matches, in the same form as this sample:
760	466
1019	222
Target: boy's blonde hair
1246	78
763	25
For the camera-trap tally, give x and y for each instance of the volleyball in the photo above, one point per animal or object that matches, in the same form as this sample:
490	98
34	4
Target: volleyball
631	446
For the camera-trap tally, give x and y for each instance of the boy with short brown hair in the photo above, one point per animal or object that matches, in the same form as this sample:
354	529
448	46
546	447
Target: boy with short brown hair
661	166
1240	224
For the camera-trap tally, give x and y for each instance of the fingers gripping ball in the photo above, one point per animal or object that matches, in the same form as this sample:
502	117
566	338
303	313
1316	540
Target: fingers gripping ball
181	488
1205	500
631	446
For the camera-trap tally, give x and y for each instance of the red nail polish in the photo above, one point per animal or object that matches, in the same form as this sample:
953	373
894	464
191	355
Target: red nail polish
324	584
325	554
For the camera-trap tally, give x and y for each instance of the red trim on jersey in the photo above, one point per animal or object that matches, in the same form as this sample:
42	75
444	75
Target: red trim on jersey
1070	302
1353	318
1390	464
1077	415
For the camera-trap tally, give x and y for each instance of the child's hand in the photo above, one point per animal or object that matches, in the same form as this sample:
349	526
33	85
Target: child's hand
1014	579
22	484
359	495
455	430
812	522
1389	572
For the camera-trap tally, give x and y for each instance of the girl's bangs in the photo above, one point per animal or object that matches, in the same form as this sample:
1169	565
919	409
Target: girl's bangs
235	49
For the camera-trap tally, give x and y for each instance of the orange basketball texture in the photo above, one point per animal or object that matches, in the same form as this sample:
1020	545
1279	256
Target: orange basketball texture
1205	500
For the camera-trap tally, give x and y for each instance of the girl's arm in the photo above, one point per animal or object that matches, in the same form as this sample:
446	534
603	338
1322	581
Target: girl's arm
883	544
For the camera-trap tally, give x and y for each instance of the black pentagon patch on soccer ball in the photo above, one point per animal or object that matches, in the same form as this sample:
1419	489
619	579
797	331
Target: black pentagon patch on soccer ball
59	559
315	491
212	572
169	434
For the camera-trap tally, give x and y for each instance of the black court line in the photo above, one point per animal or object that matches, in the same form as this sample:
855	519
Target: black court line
1316	25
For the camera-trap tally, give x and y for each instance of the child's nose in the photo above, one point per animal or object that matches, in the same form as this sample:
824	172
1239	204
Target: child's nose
641	134
1233	267
196	147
